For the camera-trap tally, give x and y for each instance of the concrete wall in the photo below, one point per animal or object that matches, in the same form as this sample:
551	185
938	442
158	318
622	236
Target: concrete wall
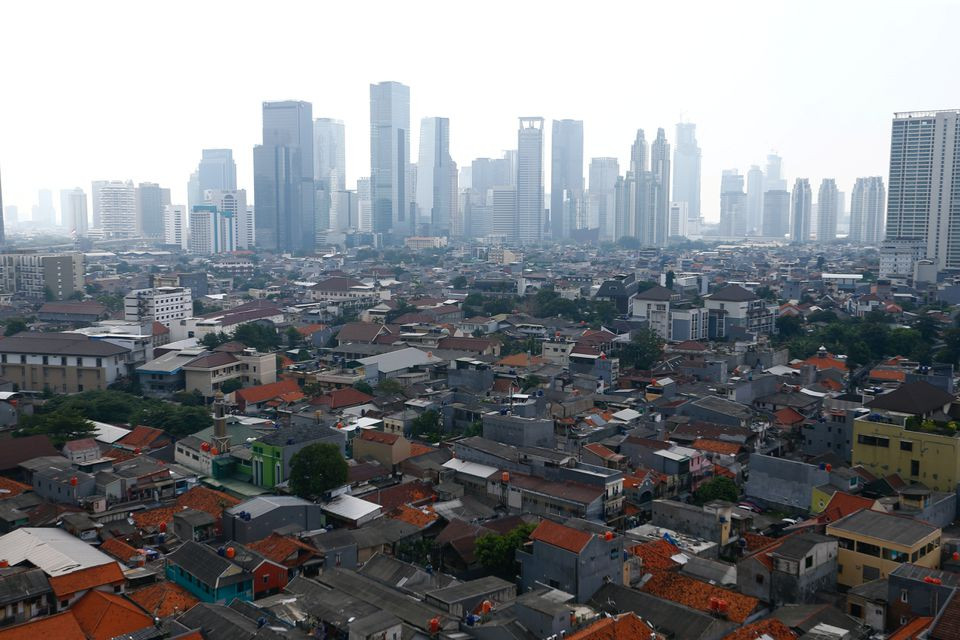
778	482
520	432
581	574
307	517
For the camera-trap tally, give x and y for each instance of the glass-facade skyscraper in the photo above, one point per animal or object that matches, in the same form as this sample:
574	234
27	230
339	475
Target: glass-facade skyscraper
436	177
284	191
686	169
390	174
529	229
566	176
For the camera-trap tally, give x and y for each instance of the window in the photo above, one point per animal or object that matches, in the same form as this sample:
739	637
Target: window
808	562
873	441
46	360
759	578
903	596
906	445
99	362
116	588
856	611
266	579
914	467
868	549
64	603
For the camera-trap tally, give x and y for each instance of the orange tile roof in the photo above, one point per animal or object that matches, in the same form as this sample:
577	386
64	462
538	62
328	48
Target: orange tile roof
755	541
163	599
199	498
310	329
893	375
771	627
264	392
420	518
520	360
832	385
656	555
86	579
561	536
720	470
103	616
10	488
418	449
62	626
380	437
143	436
119	549
604	452
827	361
696	594
788	416
415	492
346	397
911	630
281	549
843	504
626	626
717	446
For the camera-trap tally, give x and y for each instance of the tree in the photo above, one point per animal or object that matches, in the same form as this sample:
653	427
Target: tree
214	340
59	427
389	386
789	326
426	426
257	336
231	385
498	553
643	351
316	469
720	488
532	382
460	282
14	325
363	387
293	337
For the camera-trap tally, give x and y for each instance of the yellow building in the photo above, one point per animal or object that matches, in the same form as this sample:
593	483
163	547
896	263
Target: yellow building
932	458
872	544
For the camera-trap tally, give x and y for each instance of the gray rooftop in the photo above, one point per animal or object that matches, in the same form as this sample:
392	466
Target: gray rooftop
886	527
260	505
60	344
471	589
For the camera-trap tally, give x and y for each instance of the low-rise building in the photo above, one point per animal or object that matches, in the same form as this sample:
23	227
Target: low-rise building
60	362
166	305
206	574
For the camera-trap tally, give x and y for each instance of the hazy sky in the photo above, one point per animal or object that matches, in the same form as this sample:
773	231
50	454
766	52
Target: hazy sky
118	90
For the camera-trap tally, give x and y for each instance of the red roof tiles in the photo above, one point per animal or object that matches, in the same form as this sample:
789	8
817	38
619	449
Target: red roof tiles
117	548
199	498
656	555
144	437
771	627
83	579
563	537
62	626
420	518
163	599
381	437
408	493
717	446
626	626
347	397
283	550
103	616
696	594
264	392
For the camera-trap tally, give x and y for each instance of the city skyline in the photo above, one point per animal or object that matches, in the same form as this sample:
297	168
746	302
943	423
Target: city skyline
482	122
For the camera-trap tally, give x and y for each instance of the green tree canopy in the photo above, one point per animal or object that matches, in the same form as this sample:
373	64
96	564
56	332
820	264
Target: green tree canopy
315	469
460	282
497	553
426	426
789	326
59	427
263	338
389	386
15	325
643	351
231	385
363	387
720	488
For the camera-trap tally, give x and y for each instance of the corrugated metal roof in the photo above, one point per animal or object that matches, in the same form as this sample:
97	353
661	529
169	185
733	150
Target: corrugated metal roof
53	550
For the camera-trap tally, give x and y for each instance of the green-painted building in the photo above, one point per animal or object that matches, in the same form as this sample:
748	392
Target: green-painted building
271	454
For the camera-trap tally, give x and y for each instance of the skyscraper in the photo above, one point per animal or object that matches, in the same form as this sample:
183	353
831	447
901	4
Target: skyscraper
44	215
603	196
233	205
115	207
866	211
776	213
733	205
827	205
503	210
364	204
284	193
329	169
641	195
3	236
175	225
678	220
686	169
800	205
217	170
73	211
754	200
436	177
773	179
923	203
390	176
212	230
530	181
660	168
151	199
566	176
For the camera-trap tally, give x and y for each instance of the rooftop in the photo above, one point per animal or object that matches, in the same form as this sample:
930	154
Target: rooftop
558	535
883	526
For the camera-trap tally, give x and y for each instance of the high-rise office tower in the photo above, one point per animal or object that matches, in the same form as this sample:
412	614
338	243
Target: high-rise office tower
602	197
678	220
773	179
827	204
73	210
212	230
233	205
436	177
284	192
115	206
660	168
151	199
329	170
566	176
530	181
801	201
175	225
733	205
754	200
364	204
390	175
923	190
623	192
776	213
217	170
44	215
503	209
641	195
686	169
194	192
866	211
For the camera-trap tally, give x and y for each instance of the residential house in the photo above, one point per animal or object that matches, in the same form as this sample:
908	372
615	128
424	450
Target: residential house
271	454
571	559
269	577
386	448
206	574
791	571
60	362
258	517
735	311
251	400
